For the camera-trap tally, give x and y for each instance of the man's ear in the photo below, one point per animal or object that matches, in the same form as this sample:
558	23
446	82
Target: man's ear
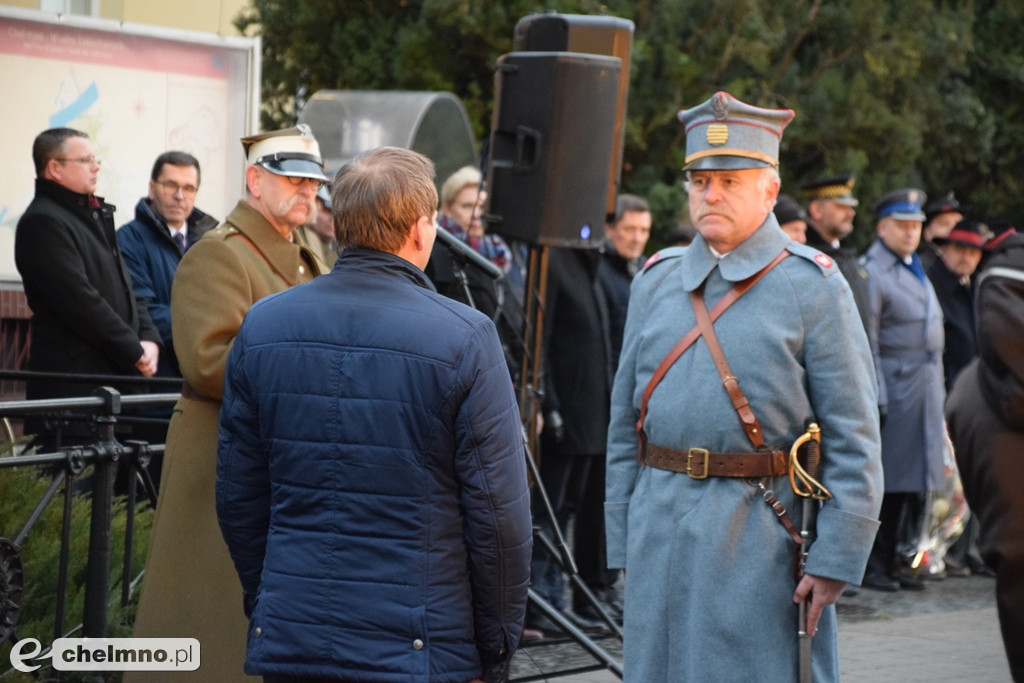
814	210
252	176
52	170
419	233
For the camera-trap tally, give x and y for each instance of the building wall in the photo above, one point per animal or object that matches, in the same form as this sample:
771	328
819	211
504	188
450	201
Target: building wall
209	16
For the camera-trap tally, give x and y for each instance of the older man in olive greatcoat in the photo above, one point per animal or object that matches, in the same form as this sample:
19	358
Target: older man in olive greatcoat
191	589
695	513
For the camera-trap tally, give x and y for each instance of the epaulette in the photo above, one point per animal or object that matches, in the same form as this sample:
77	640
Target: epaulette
825	263
222	231
666	254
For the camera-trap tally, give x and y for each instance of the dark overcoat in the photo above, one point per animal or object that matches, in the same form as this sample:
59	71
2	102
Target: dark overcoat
85	315
957	301
985	412
577	351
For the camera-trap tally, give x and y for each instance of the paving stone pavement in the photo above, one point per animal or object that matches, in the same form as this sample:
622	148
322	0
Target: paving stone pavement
948	632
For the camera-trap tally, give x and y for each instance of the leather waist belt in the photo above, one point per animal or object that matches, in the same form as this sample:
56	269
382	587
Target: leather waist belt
698	463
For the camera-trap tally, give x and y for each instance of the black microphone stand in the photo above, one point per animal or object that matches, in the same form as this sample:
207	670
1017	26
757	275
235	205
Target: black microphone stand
529	395
463	256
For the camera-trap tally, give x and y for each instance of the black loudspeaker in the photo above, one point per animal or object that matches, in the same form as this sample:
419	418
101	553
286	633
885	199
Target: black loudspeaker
601	35
547	169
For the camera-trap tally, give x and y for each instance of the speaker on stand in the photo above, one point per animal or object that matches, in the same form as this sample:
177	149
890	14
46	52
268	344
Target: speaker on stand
552	176
546	172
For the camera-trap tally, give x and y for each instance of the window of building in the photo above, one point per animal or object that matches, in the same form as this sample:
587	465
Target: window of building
87	7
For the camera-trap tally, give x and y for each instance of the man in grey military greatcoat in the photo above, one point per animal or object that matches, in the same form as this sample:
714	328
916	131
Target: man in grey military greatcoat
709	565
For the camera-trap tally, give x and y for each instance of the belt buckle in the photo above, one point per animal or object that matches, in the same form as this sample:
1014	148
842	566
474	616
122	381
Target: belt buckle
689	461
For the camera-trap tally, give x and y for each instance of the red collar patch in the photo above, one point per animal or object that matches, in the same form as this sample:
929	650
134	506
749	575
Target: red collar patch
652	259
823	261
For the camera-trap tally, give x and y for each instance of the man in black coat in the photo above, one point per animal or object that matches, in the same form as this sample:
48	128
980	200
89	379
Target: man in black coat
85	317
622	256
951	275
957	256
831	207
577	389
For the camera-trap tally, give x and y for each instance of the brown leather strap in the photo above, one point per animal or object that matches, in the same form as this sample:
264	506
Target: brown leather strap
698	463
780	513
738	290
732	385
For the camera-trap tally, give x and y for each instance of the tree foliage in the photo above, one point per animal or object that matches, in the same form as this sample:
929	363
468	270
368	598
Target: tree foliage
900	92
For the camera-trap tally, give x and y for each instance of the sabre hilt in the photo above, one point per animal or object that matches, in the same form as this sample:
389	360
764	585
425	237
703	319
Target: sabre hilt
804	480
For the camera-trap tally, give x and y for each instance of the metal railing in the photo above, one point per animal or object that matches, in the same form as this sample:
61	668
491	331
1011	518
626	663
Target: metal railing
68	467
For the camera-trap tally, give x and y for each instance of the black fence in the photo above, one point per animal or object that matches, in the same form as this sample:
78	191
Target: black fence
88	467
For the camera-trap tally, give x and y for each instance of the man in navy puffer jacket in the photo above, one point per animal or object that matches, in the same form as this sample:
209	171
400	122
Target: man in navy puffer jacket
371	479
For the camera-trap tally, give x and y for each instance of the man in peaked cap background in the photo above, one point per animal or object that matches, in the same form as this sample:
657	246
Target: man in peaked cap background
709	562
905	328
940	217
952	275
191	588
831	207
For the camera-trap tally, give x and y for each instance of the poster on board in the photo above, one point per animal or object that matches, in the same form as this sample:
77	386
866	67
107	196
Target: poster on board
137	91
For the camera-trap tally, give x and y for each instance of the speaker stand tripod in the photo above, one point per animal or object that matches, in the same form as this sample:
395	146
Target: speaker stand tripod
529	395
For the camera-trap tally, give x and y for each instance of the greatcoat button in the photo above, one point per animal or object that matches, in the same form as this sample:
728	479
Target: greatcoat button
417	644
258	632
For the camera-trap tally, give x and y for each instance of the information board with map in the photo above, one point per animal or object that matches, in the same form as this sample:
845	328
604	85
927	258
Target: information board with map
137	91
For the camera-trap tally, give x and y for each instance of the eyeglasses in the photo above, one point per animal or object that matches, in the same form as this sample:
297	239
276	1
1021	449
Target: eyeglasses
300	180
88	161
172	188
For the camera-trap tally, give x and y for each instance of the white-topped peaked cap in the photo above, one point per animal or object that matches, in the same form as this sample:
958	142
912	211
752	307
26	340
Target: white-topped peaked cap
291	152
724	133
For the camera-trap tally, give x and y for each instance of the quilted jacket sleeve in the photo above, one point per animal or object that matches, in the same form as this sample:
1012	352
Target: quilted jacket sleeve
491	468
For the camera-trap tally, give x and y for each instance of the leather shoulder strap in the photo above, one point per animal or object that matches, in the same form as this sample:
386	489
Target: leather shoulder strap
738	290
732	385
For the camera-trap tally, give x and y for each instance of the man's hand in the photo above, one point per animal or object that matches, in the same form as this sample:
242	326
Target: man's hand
146	364
822	592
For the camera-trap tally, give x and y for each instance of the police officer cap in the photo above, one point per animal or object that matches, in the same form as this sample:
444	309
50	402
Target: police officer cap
724	134
946	204
290	152
788	209
903	205
967	233
838	189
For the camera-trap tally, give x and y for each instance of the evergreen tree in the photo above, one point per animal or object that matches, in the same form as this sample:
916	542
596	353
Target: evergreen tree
900	92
